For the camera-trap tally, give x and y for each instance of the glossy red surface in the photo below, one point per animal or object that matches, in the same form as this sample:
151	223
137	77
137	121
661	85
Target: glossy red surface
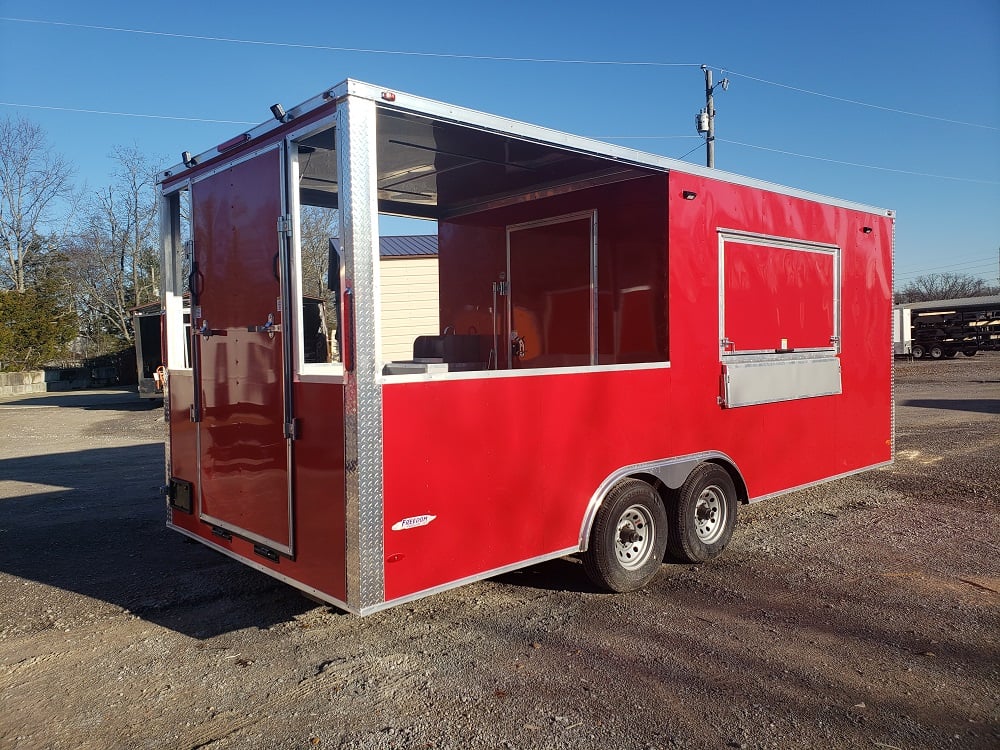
318	509
244	481
507	466
550	291
631	272
182	432
777	298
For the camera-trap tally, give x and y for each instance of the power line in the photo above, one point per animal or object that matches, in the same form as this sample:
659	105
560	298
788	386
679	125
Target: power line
724	140
640	137
861	103
971	262
126	114
865	166
978	268
330	48
493	58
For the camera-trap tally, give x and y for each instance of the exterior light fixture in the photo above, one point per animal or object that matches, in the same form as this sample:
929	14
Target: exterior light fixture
866	230
689	195
189	161
279	112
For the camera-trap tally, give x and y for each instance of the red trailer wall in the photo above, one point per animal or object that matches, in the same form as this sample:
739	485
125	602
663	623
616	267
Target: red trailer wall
507	465
788	443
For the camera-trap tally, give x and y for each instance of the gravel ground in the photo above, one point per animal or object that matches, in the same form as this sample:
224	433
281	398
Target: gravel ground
859	614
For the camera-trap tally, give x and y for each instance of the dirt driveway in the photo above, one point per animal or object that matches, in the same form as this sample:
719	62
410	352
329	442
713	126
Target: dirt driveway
860	614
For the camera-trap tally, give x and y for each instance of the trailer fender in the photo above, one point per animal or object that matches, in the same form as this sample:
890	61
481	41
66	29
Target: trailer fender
668	473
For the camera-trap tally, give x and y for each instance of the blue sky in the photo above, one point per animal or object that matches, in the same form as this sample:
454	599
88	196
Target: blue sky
940	172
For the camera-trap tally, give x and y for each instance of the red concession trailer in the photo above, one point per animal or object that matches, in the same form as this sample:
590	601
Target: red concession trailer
627	348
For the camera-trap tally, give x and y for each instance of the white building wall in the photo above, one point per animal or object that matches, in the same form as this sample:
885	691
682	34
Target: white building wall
409	304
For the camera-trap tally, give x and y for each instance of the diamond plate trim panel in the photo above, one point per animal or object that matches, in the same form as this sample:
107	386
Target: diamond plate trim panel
362	389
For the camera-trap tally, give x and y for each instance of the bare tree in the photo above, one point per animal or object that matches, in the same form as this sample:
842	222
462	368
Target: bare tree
318	225
102	272
135	187
936	286
33	182
113	251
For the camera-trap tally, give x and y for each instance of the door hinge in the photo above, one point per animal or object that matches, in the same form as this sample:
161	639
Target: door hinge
292	430
285	225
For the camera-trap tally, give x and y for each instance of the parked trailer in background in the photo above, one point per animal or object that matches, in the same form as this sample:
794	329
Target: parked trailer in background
902	334
943	328
627	348
146	327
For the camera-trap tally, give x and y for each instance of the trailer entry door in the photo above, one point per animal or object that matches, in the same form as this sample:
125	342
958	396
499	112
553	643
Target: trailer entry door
551	266
240	367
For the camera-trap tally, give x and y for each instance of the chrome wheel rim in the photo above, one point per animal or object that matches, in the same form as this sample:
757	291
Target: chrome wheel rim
710	514
634	537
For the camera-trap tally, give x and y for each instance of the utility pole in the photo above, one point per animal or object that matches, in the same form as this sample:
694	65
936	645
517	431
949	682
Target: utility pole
710	109
705	121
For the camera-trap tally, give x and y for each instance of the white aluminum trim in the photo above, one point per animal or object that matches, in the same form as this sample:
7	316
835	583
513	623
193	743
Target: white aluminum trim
781	243
818	482
264	569
357	173
541	371
288	337
772	240
581	144
305	372
471	579
482	120
308	376
171	281
295	211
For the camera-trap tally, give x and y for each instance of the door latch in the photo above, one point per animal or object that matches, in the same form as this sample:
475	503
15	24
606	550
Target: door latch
270	327
205	332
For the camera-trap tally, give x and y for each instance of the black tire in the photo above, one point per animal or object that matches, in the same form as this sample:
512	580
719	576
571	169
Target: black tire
918	351
702	515
950	354
628	539
969	352
936	351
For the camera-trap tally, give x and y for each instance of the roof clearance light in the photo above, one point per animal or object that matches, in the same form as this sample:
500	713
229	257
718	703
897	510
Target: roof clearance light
388	96
233	142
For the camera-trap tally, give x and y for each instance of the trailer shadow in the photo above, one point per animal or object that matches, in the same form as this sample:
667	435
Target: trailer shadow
92	522
564	574
977	405
107	399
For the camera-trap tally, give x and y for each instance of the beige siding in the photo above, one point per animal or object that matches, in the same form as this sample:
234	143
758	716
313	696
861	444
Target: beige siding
409	304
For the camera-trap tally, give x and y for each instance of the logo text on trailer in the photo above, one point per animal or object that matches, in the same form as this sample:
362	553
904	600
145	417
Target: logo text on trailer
412	522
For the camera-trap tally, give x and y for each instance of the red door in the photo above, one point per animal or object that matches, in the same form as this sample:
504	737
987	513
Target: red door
240	369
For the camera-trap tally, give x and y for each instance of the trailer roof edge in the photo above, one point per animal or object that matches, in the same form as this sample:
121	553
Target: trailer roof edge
391	98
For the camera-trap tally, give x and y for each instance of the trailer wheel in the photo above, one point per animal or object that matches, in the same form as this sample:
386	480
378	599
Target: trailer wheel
628	539
703	514
918	351
937	351
969	352
950	353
